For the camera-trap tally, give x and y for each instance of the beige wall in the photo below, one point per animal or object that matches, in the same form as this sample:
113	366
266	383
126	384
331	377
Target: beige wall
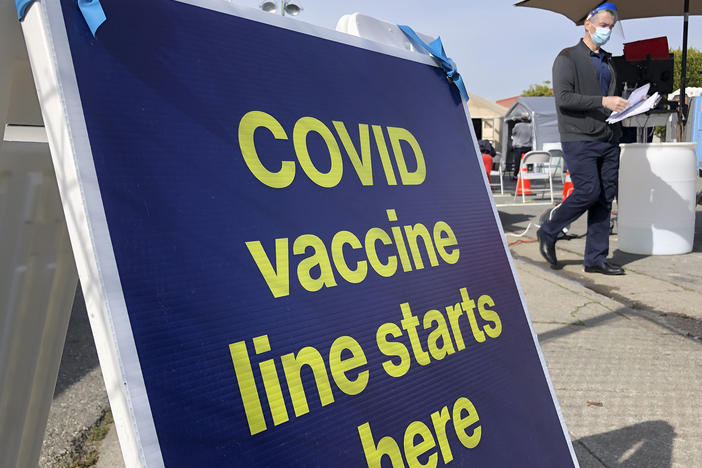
492	129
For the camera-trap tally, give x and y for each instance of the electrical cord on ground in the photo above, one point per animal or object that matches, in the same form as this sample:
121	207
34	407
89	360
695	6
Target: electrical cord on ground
522	241
525	231
543	217
522	234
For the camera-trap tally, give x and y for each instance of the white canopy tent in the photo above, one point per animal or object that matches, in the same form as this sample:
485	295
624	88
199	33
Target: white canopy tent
541	112
491	114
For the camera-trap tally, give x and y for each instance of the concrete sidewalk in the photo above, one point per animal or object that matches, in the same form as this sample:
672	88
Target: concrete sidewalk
668	286
629	388
624	352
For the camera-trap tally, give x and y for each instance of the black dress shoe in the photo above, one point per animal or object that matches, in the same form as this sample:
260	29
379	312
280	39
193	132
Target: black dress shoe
547	249
605	268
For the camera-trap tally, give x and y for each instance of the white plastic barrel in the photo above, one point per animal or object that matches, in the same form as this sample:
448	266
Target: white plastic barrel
657	198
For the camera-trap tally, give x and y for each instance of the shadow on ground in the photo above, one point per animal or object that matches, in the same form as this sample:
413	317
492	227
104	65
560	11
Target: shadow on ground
515	221
79	355
647	444
622	258
564	263
671	324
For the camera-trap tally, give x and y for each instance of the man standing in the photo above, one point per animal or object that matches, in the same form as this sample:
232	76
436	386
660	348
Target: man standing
583	84
521	141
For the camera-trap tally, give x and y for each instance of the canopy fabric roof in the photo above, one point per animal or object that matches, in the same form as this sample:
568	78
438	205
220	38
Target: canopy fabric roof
537	105
542	113
481	108
577	11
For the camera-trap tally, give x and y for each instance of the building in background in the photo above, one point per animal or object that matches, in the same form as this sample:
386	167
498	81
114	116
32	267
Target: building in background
507	102
487	118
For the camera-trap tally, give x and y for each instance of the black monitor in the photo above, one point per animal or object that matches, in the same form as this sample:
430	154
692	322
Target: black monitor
657	72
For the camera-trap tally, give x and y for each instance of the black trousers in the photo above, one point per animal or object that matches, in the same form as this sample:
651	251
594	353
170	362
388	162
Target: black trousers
594	170
517	152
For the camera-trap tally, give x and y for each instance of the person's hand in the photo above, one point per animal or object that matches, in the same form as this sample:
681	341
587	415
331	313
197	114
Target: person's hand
614	103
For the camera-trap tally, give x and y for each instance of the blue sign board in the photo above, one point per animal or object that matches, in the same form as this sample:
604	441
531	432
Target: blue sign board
309	257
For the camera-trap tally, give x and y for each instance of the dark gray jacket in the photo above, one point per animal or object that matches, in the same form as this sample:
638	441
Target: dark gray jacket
581	116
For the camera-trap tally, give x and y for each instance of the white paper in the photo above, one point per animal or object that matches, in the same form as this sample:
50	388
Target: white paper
639	94
638	104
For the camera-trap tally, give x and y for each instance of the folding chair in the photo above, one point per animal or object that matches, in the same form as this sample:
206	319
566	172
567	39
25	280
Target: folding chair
540	162
557	164
501	167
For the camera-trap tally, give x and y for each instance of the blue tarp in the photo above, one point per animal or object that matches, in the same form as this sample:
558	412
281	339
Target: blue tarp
694	126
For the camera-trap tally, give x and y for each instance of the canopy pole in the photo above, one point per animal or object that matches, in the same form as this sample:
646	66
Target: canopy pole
682	109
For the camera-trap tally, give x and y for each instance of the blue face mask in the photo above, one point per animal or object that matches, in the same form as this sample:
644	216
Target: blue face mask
601	36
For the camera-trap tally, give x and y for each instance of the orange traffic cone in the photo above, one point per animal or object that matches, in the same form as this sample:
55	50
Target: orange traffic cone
567	187
523	185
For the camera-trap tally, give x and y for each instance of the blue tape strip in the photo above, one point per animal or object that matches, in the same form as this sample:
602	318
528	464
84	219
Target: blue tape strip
22	7
93	13
436	49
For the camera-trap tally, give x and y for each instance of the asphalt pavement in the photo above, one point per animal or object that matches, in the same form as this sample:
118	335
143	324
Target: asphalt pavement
624	353
80	397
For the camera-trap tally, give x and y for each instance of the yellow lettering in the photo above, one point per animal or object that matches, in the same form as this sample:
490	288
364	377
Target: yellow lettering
324	179
247	387
454	313
362	165
490	316
460	423
399	242
247	126
384	156
339	367
409	322
440	333
340	239
440	419
318	258
292	365
443	238
419	440
419	230
386	447
414	450
468	305
271	382
392	348
278	278
408	178
383	269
